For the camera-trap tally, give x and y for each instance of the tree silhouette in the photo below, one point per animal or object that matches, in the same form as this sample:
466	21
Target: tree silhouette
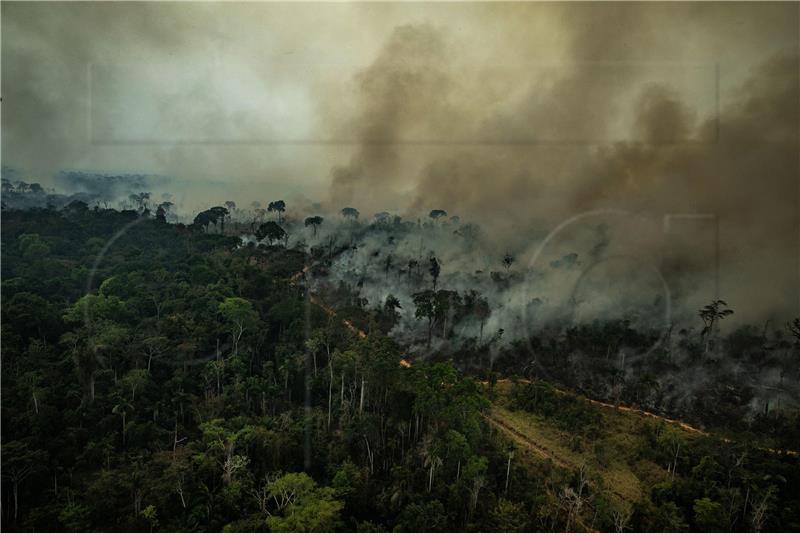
241	315
711	314
425	302
278	206
435	268
214	215
271	231
482	313
140	200
794	328
314	222
436	214
508	260
163	210
350	212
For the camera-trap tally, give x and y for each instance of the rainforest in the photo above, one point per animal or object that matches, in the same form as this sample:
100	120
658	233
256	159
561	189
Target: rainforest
400	267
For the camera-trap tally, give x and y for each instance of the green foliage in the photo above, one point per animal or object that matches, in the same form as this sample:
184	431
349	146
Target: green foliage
428	517
181	383
270	231
509	517
569	412
74	517
708	515
302	506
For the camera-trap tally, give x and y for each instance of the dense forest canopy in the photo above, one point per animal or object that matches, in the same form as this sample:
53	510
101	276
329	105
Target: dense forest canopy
207	377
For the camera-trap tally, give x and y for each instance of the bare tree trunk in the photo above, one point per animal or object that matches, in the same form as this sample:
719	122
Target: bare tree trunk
370	457
675	461
180	493
430	330
16	500
508	470
219	385
330	392
746	501
361	401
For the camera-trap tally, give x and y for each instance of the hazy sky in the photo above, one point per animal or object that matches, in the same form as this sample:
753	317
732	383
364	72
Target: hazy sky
516	115
280	92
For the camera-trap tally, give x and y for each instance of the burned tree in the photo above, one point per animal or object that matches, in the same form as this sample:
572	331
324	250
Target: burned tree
711	315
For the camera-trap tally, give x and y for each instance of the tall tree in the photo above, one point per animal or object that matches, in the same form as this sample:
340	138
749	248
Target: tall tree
435	269
19	463
425	302
711	315
239	313
482	312
122	407
278	206
314	222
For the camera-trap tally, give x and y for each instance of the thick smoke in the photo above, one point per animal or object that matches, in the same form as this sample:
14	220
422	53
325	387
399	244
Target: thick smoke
654	121
701	193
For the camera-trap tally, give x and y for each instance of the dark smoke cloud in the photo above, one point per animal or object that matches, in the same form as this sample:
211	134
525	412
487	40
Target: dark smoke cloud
516	115
604	130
